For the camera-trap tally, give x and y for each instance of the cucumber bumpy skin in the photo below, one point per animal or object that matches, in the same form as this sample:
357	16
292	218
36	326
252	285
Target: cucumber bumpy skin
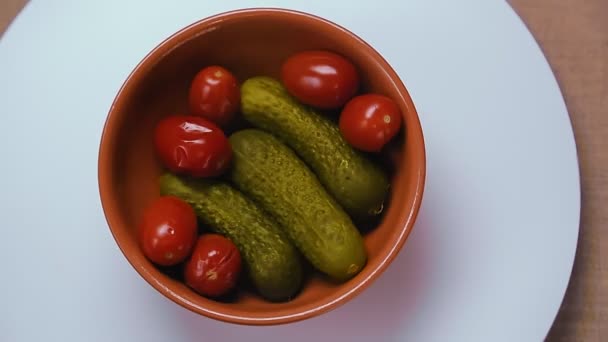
358	185
273	263
271	174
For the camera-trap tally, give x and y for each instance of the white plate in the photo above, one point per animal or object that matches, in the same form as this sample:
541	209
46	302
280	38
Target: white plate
488	260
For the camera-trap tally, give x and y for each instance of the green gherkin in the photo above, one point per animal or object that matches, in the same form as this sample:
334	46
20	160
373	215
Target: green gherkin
272	262
359	185
271	174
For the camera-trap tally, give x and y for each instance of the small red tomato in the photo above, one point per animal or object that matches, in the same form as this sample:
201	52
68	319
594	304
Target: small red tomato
320	79
214	267
192	145
215	95
369	121
167	231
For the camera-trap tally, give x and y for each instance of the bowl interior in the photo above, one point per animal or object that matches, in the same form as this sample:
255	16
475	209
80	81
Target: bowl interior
249	43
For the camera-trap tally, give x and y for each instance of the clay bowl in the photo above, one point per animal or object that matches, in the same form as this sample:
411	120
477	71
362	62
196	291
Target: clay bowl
248	42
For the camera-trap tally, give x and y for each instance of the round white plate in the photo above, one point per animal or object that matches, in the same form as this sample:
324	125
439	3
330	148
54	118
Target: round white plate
488	260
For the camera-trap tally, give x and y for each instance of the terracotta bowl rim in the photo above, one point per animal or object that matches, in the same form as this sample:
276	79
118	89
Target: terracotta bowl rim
107	145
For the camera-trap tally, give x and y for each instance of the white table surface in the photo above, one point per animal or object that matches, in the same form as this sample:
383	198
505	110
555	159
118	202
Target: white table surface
502	176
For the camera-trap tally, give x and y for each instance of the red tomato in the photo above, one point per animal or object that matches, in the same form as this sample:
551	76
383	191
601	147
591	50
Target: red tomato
214	267
369	121
215	95
167	231
320	79
192	145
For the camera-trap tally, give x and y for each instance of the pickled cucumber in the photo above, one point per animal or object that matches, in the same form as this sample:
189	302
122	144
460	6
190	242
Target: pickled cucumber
358	185
271	174
272	262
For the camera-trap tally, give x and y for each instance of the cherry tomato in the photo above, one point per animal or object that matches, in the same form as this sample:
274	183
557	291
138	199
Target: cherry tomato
214	267
167	231
369	121
192	145
320	79
215	95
